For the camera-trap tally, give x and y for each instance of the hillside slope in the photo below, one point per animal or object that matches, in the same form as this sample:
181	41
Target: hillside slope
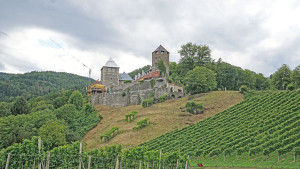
165	117
260	126
35	84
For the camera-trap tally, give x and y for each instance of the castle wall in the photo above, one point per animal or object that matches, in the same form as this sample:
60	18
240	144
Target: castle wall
135	93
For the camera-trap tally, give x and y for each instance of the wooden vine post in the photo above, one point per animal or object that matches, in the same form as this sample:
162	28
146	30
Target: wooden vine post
39	147
117	163
48	160
80	151
187	162
90	159
7	161
177	164
159	159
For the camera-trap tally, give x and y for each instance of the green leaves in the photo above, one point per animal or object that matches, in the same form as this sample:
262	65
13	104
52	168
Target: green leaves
20	106
200	79
76	99
53	134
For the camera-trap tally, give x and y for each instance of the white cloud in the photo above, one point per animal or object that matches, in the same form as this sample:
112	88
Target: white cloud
256	35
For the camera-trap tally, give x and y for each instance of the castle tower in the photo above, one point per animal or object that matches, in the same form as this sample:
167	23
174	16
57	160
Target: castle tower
110	73
160	54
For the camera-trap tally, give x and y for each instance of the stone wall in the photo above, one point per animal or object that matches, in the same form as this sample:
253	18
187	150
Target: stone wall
135	93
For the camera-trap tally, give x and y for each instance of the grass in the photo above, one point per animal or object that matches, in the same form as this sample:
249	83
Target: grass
165	117
243	161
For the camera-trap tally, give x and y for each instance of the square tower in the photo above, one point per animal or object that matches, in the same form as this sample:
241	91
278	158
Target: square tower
110	73
160	54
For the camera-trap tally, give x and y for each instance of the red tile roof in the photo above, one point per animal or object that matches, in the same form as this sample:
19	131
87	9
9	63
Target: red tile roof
150	75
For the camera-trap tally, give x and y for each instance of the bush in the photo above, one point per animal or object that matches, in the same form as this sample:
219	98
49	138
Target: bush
243	89
162	98
147	102
130	116
290	87
141	82
193	108
123	94
141	124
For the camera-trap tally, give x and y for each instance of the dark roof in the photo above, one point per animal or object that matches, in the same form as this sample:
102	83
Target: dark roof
160	48
124	76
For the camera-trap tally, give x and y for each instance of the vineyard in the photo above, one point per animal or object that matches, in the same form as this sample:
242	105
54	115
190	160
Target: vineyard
31	154
263	127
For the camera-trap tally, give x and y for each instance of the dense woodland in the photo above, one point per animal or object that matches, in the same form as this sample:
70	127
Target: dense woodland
58	117
35	84
196	61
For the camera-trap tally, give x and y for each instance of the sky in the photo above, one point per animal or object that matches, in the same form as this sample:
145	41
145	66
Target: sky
75	36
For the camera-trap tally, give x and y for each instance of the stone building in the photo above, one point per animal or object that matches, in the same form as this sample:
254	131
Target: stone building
160	54
110	74
119	91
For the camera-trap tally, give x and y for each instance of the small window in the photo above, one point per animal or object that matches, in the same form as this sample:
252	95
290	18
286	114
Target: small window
112	70
156	52
162	52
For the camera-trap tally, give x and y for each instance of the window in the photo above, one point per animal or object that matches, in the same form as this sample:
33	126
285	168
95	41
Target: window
162	52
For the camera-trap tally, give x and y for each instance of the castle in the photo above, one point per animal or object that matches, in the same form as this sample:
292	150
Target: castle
120	90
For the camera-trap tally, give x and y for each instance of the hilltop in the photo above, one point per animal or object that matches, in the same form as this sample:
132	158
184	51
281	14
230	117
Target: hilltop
165	117
33	84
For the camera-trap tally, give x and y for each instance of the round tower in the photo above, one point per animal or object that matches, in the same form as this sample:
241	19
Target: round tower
160	54
110	73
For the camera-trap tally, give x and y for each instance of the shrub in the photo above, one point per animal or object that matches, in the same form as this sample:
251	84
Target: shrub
141	124
123	94
141	82
290	87
130	116
243	89
162	98
147	102
192	107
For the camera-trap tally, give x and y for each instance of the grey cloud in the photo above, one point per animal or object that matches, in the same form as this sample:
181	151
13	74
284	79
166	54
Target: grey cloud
138	27
2	66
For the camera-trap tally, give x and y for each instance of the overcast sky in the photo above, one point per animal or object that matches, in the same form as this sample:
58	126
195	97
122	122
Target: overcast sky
257	35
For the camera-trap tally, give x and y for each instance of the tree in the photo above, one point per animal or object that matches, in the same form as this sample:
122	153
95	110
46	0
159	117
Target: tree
20	106
76	99
261	82
53	134
282	77
193	55
296	77
200	79
4	109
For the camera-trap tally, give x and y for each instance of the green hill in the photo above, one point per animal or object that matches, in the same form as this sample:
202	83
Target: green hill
34	84
260	128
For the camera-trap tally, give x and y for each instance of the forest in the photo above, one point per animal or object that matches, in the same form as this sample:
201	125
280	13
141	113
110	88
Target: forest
33	84
58	118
